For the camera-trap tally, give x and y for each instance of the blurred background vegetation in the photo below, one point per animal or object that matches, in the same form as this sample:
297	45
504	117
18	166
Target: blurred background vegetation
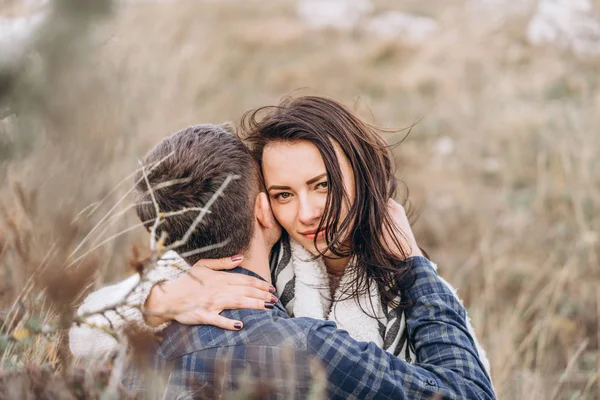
503	166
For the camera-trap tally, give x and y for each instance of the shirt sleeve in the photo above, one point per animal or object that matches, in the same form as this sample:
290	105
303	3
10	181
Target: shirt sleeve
448	364
438	325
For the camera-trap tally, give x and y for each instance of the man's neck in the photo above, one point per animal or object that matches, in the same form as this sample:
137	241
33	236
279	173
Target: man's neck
256	259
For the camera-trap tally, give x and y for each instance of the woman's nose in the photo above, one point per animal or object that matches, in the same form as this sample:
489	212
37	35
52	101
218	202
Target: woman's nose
309	213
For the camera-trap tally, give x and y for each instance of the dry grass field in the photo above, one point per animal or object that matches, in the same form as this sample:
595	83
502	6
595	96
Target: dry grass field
502	166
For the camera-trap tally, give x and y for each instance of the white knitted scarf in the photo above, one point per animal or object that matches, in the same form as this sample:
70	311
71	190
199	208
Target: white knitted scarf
303	286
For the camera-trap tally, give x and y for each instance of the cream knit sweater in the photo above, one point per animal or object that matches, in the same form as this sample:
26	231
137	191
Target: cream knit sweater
90	340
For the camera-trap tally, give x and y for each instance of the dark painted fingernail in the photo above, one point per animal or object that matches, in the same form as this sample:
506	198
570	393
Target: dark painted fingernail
269	305
237	257
272	289
237	325
274	299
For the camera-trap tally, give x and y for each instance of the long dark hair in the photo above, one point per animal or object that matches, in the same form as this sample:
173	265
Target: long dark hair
360	234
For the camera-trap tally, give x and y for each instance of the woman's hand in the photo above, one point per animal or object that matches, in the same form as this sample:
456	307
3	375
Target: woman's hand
404	234
199	296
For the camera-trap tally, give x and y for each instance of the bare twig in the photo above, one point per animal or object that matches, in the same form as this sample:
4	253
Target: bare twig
86	238
107	240
112	390
570	365
129	229
204	249
115	218
80	213
156	209
28	285
163	215
126	179
203	213
185	210
167	184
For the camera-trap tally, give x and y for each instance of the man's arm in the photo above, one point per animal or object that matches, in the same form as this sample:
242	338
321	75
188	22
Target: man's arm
448	365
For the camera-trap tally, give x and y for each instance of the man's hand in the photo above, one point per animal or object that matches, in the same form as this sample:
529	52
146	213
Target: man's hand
404	235
199	296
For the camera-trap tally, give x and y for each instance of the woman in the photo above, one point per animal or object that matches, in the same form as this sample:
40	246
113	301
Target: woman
329	178
342	254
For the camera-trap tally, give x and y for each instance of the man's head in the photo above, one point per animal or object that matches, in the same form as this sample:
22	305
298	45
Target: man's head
185	170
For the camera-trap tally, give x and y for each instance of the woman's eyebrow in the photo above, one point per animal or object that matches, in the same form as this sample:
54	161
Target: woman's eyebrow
277	187
308	182
316	178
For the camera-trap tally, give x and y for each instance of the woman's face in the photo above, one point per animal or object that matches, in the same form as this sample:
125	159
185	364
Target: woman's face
296	181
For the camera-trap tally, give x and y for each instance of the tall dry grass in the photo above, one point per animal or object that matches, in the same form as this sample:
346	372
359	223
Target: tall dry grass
503	166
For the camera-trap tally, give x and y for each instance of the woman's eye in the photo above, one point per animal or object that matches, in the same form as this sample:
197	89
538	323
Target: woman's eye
322	185
282	195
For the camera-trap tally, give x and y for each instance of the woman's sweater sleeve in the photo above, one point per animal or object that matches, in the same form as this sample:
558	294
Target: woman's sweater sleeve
104	310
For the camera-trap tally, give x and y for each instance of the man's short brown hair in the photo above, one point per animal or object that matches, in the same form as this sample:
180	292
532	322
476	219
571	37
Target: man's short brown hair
196	161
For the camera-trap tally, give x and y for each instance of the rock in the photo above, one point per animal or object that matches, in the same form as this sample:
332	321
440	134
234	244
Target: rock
492	165
444	146
410	28
500	6
16	35
341	14
567	24
493	13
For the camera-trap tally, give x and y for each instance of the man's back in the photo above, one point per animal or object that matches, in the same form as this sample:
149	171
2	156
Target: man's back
268	357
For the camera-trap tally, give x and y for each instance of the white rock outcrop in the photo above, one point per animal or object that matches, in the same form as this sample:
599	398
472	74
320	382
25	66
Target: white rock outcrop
444	146
341	14
502	7
491	14
348	14
407	27
16	35
565	23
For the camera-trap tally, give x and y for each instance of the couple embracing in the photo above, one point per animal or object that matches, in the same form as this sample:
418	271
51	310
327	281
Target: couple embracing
305	260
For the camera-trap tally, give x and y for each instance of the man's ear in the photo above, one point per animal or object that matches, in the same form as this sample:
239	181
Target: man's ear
263	211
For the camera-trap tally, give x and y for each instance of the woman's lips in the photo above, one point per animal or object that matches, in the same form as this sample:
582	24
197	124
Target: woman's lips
311	235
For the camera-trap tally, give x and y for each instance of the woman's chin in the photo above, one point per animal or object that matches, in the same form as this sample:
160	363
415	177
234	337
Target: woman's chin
309	245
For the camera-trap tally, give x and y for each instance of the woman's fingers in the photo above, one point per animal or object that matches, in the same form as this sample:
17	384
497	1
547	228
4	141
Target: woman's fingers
208	276
228	303
398	212
239	302
221	263
404	233
225	323
247	291
245	280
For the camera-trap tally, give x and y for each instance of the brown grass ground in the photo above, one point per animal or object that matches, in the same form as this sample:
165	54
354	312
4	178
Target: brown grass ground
510	212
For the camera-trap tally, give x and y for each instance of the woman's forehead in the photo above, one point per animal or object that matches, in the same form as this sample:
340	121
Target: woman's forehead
297	162
291	161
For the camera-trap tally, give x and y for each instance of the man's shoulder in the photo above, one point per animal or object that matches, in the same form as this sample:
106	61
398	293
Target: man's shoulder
266	368
260	329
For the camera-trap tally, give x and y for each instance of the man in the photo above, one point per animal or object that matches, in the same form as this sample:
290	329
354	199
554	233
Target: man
274	349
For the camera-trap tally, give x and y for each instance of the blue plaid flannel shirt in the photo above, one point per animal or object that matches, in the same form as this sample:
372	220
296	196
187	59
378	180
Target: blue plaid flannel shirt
276	356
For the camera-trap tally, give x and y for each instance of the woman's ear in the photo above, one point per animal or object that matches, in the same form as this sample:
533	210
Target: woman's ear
263	211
